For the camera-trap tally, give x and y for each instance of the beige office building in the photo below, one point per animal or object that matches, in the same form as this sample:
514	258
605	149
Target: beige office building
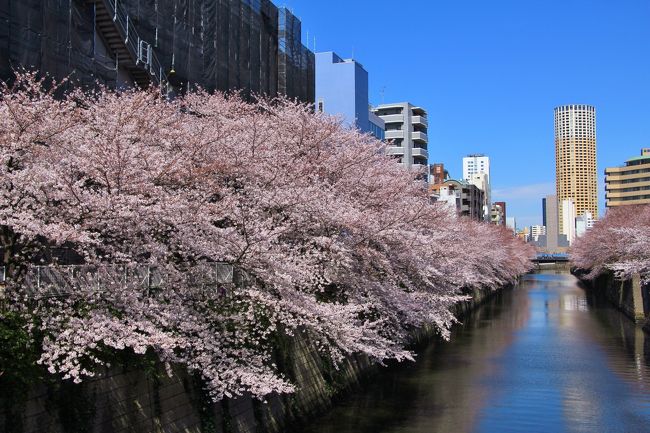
575	158
629	184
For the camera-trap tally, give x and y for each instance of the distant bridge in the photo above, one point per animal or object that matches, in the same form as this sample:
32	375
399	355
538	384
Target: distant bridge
551	261
551	258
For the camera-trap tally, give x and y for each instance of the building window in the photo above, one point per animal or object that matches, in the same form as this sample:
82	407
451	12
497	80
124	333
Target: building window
320	106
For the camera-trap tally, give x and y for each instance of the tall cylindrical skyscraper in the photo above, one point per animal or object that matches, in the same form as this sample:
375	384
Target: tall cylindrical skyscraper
575	158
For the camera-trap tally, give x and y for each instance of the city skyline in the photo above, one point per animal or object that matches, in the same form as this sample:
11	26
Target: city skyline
490	85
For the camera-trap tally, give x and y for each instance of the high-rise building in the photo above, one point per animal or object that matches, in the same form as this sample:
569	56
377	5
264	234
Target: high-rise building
553	240
236	45
629	184
511	223
476	170
575	157
342	89
552	224
406	130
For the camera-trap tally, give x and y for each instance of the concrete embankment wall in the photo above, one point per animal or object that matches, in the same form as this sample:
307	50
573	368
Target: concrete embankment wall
123	400
626	295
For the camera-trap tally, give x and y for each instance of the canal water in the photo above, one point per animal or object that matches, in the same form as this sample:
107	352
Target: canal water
543	357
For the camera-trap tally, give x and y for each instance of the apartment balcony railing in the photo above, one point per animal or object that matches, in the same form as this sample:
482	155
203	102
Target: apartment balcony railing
418	151
393	134
420	120
394	150
419	136
393	118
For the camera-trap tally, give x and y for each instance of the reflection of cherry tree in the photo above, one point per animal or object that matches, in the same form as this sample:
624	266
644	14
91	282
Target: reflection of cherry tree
620	242
339	242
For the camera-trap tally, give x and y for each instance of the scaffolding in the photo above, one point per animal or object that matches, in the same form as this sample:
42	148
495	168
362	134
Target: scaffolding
247	46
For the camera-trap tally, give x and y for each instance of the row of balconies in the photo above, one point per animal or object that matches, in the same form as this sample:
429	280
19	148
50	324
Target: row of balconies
618	194
614	186
415	152
614	203
399	118
416	136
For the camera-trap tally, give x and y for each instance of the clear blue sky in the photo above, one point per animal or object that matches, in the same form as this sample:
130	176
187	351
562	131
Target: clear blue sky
489	73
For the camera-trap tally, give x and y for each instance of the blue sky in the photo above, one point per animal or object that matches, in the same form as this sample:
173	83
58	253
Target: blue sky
490	72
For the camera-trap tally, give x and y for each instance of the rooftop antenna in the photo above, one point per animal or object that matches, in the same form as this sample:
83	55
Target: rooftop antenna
352	52
382	92
314	43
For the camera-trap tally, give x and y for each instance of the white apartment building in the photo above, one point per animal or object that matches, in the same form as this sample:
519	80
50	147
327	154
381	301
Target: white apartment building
536	231
476	163
406	133
480	180
583	223
476	170
568	220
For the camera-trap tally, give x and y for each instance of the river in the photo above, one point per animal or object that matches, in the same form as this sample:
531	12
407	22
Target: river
543	357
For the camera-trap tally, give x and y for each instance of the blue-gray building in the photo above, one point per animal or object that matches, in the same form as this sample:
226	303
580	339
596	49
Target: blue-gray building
342	90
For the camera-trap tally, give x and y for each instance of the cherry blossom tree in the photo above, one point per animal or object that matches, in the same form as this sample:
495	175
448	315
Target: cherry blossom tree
337	240
619	242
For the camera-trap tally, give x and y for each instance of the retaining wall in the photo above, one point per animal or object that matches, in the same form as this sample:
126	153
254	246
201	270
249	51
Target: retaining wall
626	295
121	400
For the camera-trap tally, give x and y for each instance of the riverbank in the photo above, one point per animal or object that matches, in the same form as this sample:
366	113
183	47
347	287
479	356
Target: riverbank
139	399
627	295
545	357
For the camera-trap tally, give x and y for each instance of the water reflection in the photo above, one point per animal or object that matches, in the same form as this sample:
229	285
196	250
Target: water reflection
544	357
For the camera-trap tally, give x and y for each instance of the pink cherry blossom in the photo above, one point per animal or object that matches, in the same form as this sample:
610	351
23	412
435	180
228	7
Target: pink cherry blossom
620	243
337	241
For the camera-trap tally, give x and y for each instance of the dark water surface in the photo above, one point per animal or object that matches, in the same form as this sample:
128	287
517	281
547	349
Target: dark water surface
544	357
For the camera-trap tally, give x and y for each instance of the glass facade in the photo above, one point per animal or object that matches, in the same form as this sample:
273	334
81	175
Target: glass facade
377	131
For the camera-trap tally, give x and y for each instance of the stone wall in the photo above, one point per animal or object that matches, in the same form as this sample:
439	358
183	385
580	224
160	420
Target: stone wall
124	401
626	295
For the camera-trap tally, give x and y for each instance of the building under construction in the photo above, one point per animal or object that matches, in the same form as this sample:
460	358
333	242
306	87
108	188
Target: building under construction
230	45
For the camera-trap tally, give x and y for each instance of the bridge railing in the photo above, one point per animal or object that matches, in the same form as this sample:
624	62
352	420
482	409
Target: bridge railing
551	257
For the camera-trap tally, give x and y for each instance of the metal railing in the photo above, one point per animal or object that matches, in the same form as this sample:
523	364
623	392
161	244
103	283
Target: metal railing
65	280
139	49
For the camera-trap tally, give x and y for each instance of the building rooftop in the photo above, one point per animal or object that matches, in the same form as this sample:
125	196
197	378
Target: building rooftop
638	158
